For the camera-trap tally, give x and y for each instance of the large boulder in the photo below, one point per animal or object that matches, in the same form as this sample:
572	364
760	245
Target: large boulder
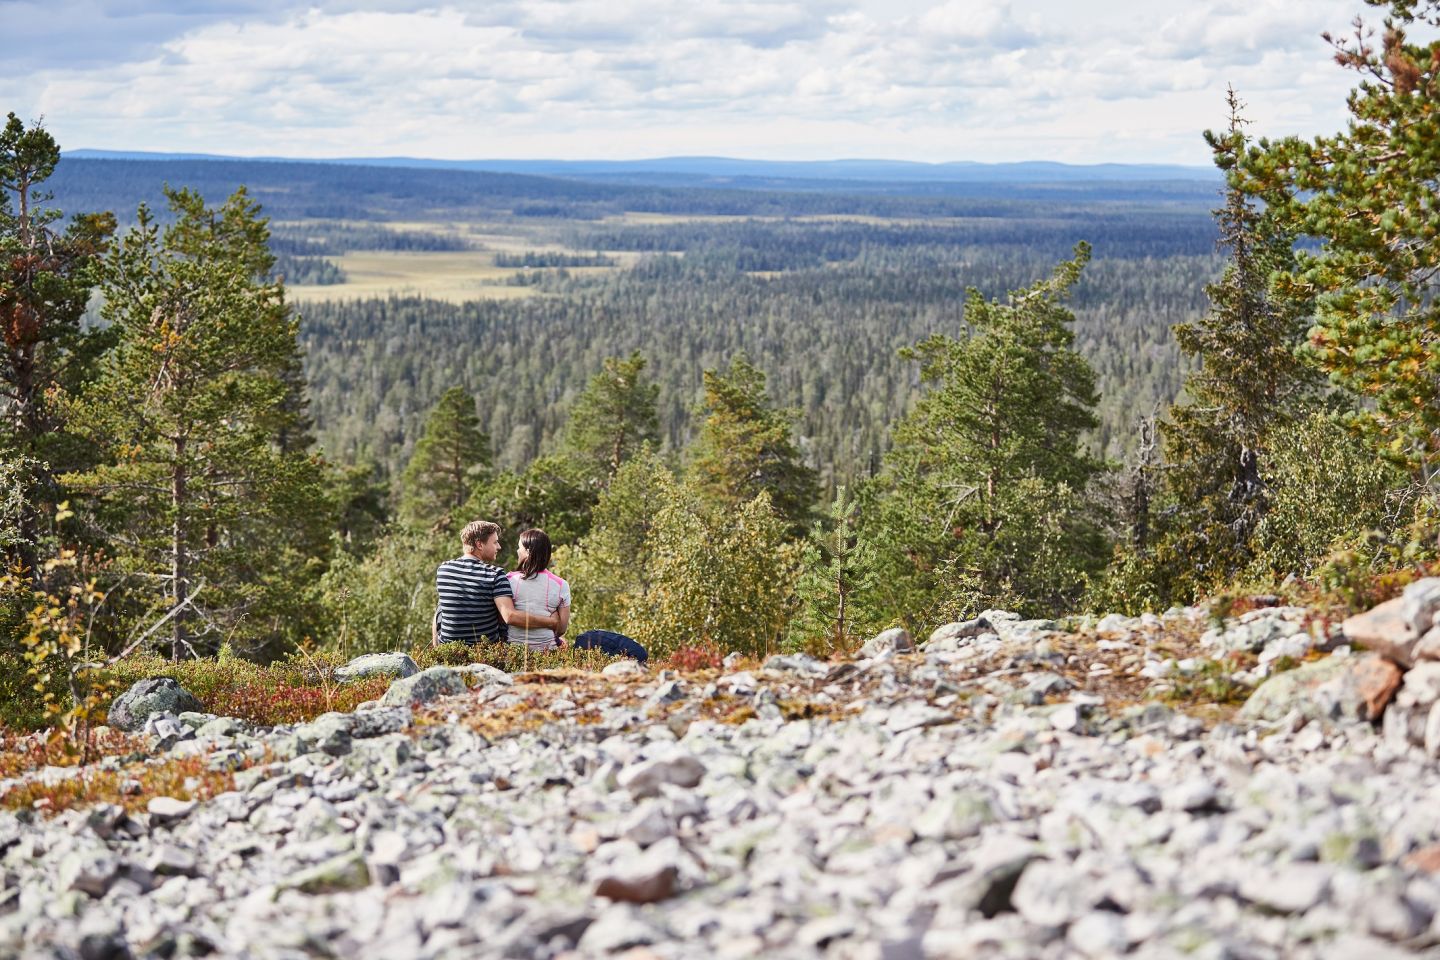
377	665
1336	689
423	687
154	695
1403	629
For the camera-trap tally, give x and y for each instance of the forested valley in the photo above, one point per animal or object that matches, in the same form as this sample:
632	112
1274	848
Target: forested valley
248	416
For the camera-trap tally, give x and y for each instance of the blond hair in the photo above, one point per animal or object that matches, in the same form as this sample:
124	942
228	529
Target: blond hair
477	532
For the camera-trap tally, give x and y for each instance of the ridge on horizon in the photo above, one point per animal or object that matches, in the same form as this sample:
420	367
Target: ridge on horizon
718	166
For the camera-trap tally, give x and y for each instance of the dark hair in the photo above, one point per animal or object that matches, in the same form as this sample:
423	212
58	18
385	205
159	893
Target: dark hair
537	544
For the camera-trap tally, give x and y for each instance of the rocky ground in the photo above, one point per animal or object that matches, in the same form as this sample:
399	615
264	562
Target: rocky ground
1009	790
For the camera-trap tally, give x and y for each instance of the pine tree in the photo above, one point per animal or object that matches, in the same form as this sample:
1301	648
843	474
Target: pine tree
613	418
1368	193
745	447
1249	382
450	460
46	277
836	568
194	489
980	502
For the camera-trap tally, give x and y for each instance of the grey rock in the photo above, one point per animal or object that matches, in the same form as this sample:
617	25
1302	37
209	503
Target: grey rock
645	778
1420	604
1053	894
485	675
423	688
1099	933
952	635
799	664
1329	690
346	871
623	669
167	810
155	695
894	640
365	666
1292	889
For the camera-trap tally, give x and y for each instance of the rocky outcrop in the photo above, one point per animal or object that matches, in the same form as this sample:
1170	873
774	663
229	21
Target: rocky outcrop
424	687
156	695
377	665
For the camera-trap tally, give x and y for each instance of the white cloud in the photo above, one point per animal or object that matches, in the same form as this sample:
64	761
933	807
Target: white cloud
921	79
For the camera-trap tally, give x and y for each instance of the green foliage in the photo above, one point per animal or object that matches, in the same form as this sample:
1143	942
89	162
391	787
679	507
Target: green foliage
451	459
1328	492
197	416
613	565
385	598
554	493
746	448
1368	193
984	503
836	568
614	418
1249	383
720	576
46	277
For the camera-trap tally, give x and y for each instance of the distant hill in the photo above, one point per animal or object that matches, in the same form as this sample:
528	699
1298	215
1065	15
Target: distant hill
710	168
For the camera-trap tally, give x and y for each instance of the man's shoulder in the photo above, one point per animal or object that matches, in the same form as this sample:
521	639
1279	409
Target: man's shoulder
470	567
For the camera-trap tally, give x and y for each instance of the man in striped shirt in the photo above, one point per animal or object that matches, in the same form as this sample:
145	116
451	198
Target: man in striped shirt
476	601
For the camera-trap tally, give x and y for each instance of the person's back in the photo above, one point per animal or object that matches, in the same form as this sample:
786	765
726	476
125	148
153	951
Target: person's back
542	593
537	592
468	587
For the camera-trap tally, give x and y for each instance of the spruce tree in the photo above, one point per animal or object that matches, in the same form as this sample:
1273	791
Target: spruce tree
746	447
613	418
46	278
836	568
451	459
980	501
1249	382
195	490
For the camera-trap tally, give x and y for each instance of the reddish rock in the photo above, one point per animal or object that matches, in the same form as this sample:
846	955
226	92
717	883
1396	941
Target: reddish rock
1376	680
1384	630
1426	859
647	887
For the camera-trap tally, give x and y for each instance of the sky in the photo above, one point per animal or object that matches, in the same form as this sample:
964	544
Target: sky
1079	81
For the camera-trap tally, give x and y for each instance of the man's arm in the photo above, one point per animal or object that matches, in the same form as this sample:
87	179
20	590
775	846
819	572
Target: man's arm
518	618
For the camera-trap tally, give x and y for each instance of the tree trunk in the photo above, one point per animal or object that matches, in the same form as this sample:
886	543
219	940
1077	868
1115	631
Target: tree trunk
179	565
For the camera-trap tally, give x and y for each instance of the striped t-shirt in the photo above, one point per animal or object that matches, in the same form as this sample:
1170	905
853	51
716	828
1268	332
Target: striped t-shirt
468	588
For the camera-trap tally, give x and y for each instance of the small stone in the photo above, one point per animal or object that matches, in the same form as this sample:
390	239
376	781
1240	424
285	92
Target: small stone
1292	889
168	860
648	824
1066	717
1192	795
344	872
485	675
645	778
623	670
646	885
1099	933
798	663
1052	894
167	810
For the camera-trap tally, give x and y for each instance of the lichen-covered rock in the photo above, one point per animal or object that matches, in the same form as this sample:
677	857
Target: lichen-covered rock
1336	689
894	640
423	687
377	665
154	695
486	675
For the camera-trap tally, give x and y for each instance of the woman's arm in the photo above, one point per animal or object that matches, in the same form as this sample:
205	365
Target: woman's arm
521	618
